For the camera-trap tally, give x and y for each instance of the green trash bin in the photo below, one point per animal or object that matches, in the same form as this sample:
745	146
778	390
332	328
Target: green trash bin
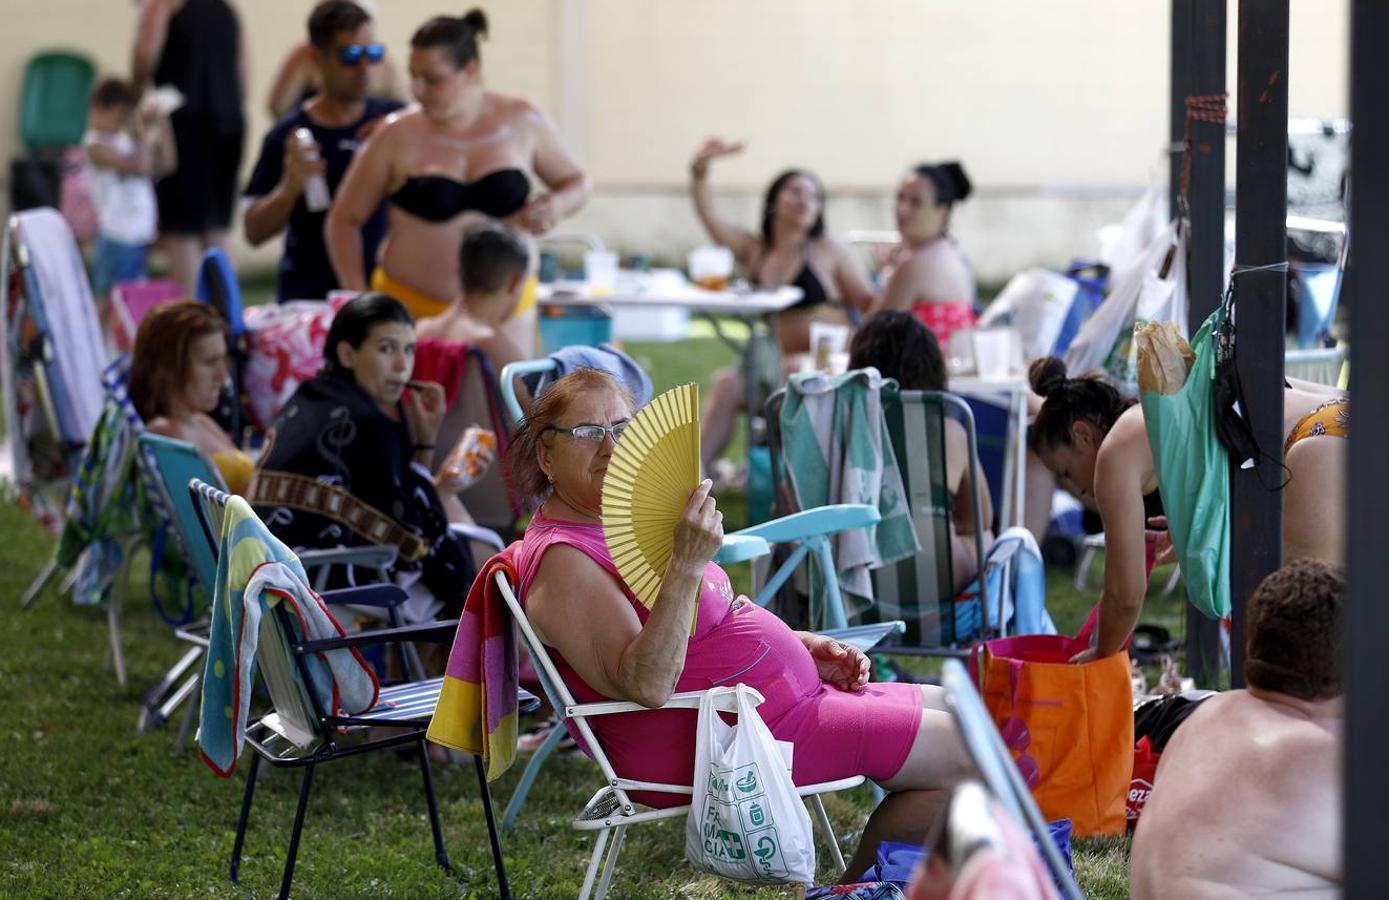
53	102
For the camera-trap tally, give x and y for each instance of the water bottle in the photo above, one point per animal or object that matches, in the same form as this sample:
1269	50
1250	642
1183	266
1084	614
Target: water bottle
316	196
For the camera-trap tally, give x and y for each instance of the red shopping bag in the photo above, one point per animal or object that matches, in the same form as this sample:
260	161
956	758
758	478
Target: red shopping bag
1145	763
1069	727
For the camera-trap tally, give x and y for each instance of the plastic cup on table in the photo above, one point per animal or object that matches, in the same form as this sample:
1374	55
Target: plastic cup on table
711	268
993	351
600	271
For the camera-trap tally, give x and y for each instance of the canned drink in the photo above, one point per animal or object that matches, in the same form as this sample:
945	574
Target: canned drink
471	456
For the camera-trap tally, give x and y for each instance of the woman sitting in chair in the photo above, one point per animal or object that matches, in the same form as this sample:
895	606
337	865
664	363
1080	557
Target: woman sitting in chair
345	462
177	369
608	646
900	347
1096	443
926	274
790	248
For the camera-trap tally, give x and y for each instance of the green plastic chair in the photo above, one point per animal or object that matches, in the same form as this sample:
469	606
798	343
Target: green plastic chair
53	101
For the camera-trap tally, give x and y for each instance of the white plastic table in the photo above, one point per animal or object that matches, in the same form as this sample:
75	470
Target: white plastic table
668	288
1012	389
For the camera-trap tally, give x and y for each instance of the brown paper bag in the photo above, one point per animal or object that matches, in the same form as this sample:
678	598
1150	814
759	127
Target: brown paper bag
1164	358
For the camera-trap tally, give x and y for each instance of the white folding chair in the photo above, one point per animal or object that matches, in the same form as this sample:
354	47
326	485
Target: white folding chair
611	811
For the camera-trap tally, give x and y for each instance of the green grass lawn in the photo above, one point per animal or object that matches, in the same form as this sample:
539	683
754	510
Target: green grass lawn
90	809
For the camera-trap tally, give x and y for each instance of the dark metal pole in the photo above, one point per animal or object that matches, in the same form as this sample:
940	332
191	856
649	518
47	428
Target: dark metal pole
1367	616
1198	69
1207	240
1182	70
1261	208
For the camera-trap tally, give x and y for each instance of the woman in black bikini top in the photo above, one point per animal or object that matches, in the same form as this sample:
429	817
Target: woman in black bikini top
463	154
791	248
438	198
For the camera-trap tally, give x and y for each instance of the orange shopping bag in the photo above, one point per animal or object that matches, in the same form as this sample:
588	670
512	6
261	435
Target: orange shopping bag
1069	727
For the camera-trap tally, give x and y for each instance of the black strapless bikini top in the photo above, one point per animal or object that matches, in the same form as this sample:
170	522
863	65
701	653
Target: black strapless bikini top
438	198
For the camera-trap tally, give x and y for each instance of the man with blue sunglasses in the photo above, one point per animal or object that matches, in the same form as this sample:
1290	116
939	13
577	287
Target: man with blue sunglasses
317	140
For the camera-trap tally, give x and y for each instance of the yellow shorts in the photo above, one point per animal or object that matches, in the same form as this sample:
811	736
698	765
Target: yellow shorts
527	296
420	304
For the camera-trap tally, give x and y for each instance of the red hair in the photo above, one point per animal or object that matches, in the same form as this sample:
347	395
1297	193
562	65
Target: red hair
523	458
163	352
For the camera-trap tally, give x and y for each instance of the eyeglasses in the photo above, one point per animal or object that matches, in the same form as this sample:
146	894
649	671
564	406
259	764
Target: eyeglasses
593	434
353	54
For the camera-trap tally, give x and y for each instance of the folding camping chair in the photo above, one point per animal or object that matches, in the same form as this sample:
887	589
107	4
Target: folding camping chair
995	763
477	400
52	116
612	811
275	736
174	463
53	357
920	590
106	519
218	287
131	301
807	533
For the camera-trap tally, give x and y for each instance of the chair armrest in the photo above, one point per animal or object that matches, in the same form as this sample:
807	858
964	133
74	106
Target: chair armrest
812	522
866	637
725	700
739	547
376	556
507	381
478	533
384	596
440	632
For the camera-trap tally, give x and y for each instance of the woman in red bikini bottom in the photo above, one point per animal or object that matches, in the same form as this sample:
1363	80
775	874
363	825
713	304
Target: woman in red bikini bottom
929	276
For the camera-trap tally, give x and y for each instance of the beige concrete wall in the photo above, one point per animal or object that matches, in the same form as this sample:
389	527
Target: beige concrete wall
1058	108
517	58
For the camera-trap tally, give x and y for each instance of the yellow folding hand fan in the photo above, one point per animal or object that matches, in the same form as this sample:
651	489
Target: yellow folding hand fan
648	484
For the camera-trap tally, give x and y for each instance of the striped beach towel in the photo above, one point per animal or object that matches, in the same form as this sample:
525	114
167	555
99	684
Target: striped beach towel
255	571
477	711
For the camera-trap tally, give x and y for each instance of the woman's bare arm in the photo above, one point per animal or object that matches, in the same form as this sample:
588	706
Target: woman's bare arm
902	287
151	31
578	608
1119	493
556	167
290	81
852	279
363	187
742	242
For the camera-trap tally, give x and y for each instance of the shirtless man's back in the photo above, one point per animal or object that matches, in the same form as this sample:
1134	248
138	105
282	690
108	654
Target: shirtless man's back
1247	798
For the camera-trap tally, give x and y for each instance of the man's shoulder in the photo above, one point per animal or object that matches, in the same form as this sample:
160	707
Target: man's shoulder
1254	730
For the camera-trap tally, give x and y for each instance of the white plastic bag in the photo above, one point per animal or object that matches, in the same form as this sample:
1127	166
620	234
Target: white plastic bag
1140	295
746	821
1122	243
1035	302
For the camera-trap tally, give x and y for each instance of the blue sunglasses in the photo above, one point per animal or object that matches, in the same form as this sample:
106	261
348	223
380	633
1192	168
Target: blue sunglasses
353	54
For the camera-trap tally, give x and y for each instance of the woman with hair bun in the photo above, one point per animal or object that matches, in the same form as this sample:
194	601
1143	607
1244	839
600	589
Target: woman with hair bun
928	275
1096	444
464	154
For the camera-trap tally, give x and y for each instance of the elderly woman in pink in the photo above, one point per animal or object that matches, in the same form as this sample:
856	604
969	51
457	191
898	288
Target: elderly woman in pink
608	646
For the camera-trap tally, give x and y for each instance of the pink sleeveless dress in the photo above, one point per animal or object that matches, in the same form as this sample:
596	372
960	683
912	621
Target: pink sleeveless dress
837	733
